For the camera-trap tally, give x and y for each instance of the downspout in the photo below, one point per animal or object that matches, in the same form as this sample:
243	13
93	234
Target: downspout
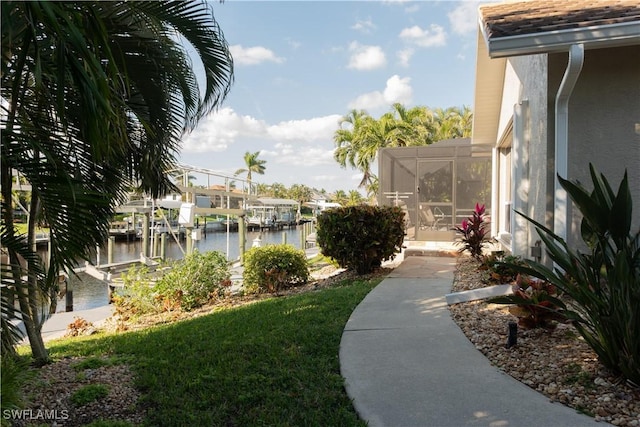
574	66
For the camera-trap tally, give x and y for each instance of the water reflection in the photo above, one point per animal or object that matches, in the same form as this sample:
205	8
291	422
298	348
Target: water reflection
227	243
90	293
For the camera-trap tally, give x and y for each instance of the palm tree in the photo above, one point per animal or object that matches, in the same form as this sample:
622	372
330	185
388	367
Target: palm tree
452	122
357	141
354	198
359	136
340	197
300	193
254	165
98	96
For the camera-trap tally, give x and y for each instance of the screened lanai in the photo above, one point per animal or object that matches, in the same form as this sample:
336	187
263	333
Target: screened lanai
436	185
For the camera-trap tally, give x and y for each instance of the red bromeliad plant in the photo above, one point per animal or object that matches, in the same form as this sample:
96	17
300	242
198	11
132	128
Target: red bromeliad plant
474	232
536	303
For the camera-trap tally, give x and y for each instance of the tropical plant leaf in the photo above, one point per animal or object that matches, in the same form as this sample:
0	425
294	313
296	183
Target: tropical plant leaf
621	213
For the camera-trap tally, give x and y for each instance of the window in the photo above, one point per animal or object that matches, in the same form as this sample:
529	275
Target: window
504	195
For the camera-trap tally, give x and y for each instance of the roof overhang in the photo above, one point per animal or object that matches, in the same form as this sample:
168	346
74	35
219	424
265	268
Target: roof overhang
593	37
493	49
487	95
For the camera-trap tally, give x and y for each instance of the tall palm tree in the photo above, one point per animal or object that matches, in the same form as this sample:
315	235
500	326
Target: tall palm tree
254	165
359	138
98	96
357	141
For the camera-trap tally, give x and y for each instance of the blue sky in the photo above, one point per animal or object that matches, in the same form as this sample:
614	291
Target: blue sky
301	65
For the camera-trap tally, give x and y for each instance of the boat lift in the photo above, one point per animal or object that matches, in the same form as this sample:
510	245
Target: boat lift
272	214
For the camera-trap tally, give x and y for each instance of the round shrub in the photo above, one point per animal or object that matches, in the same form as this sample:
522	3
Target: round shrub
194	281
273	268
359	238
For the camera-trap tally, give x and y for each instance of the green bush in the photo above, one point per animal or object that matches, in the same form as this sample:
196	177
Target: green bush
137	294
361	237
499	269
194	281
273	268
188	284
15	373
604	283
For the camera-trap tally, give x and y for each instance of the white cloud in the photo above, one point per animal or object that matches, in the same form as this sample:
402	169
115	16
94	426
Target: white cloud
404	56
293	43
253	55
314	129
396	90
431	37
366	57
308	156
368	101
464	18
223	128
364	26
413	8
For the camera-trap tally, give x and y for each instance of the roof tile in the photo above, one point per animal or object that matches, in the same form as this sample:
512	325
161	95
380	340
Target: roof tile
536	16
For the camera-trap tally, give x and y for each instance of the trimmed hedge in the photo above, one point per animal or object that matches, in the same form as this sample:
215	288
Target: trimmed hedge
273	268
361	237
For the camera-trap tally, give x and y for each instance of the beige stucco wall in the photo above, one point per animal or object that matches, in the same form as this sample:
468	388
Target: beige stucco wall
531	72
604	122
604	117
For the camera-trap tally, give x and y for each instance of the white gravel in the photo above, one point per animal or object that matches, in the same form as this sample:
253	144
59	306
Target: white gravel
557	363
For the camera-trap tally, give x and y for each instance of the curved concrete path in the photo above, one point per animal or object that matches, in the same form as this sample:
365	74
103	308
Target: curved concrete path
406	363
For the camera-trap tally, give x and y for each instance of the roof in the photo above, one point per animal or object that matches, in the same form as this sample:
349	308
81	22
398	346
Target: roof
540	26
513	28
267	201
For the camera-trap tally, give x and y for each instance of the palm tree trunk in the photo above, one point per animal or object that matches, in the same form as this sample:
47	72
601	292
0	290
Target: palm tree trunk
27	295
29	299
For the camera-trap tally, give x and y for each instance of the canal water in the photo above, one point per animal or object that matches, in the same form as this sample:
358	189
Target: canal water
90	293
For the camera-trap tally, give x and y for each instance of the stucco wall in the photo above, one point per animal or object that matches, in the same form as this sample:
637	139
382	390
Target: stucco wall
532	72
604	116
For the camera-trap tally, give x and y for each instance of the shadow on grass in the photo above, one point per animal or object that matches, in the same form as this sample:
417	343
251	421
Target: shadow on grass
270	363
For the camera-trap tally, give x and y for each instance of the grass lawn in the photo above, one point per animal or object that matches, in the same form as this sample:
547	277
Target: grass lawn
274	362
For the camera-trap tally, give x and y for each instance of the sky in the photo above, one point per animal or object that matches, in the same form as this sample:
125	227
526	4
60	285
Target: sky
299	66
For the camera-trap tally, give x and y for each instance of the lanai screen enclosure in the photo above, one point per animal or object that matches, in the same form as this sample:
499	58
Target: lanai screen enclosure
437	185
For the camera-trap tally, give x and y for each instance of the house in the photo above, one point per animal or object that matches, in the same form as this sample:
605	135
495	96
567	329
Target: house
557	87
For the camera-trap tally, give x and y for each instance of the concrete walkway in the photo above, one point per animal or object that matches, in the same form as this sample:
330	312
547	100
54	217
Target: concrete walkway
406	363
56	325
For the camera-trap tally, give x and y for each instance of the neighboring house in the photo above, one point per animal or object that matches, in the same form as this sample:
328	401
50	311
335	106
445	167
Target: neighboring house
320	205
557	88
